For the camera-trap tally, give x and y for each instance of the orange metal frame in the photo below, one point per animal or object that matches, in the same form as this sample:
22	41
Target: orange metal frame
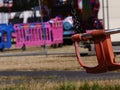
104	52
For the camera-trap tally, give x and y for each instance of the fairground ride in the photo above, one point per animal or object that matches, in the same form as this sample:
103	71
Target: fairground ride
102	42
107	14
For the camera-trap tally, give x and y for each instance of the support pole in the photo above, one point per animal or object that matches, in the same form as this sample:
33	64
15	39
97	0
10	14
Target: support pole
103	13
40	7
107	8
107	32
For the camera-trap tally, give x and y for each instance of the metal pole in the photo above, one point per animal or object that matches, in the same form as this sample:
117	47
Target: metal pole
44	30
103	13
39	1
107	32
107	6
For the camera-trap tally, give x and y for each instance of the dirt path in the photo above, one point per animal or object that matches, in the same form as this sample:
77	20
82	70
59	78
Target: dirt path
62	75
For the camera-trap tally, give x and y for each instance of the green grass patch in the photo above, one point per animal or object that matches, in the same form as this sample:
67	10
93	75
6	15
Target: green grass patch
44	83
63	86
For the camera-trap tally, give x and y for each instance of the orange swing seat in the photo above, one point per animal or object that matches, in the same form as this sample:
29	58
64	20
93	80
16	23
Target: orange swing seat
103	48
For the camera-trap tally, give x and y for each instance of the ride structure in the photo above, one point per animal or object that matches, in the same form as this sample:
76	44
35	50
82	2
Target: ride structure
103	48
102	43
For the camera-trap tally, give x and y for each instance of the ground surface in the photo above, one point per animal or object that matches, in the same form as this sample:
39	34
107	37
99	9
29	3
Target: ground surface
58	65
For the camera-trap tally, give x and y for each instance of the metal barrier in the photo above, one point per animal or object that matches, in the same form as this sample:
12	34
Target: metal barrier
37	34
5	36
103	47
47	34
32	34
57	31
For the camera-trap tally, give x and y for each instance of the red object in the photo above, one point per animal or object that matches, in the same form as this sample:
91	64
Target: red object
104	52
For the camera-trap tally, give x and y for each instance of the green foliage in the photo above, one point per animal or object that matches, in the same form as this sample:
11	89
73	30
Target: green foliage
62	86
86	86
15	88
96	86
68	86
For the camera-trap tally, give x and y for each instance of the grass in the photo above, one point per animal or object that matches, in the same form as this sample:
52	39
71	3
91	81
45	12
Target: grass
42	63
39	63
45	84
45	63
